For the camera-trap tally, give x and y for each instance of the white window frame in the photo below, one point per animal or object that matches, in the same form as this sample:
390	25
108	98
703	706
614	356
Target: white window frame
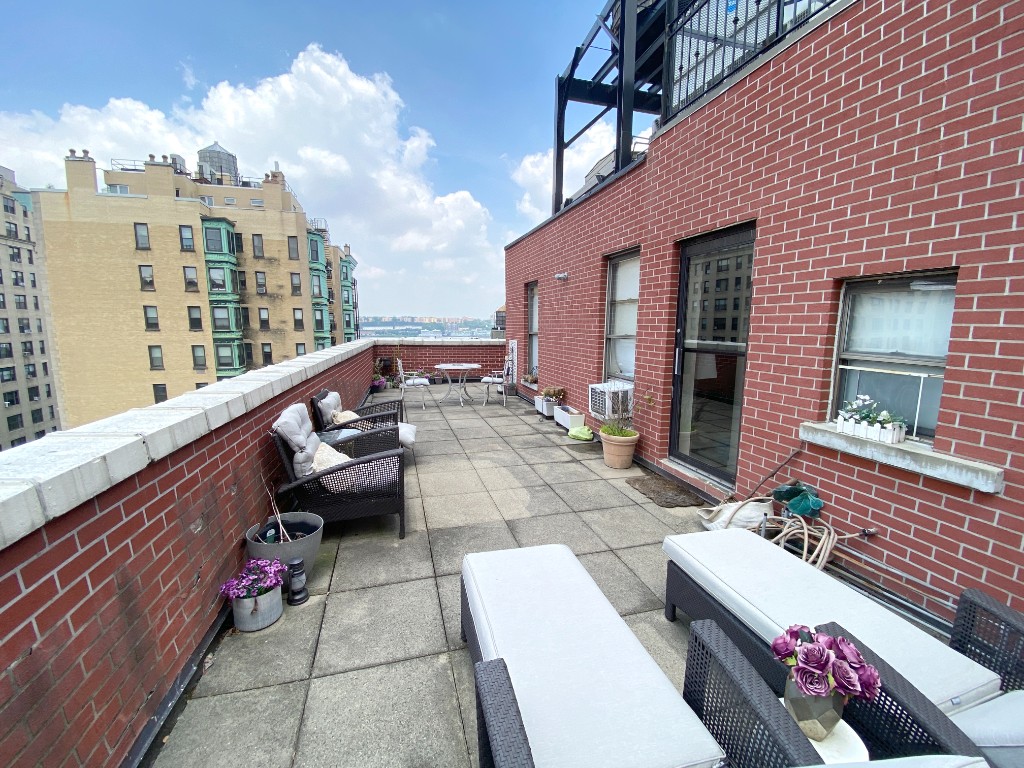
613	368
532	328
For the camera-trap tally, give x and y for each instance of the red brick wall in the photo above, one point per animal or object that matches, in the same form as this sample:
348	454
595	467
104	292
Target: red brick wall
489	357
102	607
888	140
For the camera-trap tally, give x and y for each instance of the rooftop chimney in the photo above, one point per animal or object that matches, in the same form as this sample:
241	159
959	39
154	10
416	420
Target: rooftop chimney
85	153
72	153
164	157
152	158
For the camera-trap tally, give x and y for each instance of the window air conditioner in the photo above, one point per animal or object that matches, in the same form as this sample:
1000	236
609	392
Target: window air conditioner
610	400
35	399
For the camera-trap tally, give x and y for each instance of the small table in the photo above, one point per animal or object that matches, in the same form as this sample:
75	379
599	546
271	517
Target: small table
335	436
457	387
843	745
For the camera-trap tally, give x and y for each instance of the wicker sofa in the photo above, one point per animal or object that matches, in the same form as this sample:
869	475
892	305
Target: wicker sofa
709	577
562	681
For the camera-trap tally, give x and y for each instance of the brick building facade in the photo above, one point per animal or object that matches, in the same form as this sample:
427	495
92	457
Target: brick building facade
883	144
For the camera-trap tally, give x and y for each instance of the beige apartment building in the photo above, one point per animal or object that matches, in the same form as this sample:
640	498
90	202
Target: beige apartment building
165	280
26	355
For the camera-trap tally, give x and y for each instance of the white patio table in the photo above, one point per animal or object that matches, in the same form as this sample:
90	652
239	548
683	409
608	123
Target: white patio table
458	386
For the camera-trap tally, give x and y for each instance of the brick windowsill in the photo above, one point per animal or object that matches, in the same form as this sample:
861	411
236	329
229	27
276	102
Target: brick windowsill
911	456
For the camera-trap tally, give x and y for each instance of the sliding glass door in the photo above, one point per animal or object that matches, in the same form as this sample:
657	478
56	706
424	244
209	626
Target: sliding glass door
711	349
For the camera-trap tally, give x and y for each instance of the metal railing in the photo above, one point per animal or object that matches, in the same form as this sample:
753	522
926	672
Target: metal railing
711	39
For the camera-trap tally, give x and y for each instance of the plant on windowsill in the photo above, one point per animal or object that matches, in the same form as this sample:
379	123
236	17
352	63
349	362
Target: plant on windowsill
861	417
618	438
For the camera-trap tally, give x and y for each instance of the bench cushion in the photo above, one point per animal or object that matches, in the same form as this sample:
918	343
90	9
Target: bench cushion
769	589
589	693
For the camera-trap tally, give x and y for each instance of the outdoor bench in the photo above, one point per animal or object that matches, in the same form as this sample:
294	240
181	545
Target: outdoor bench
754	590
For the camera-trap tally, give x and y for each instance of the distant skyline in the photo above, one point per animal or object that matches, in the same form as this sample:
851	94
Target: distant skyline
421	132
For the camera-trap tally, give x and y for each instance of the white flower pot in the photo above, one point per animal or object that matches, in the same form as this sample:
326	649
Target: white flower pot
873	432
569	417
860	429
538	403
849	427
548	407
894	433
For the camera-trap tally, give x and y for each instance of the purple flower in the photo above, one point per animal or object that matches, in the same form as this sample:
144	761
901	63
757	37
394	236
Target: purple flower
827	640
814	656
785	644
845	678
256	578
811	683
848	652
870	683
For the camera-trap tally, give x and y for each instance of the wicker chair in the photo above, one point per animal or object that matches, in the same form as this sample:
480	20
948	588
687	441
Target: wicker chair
369	484
384	414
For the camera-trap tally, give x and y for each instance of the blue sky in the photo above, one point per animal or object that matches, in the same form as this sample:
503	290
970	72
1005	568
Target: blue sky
421	131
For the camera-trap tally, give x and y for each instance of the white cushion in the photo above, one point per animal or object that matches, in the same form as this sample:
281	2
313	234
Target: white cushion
997	726
492	380
416	381
406	434
327	406
296	429
589	693
327	457
783	590
923	761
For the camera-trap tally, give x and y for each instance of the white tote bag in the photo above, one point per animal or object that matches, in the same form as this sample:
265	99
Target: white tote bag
736	514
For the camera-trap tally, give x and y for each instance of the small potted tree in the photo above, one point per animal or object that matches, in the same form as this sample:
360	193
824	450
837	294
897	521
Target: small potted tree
619	439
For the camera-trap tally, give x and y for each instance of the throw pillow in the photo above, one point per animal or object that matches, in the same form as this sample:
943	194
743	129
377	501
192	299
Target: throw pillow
327	457
406	434
340	417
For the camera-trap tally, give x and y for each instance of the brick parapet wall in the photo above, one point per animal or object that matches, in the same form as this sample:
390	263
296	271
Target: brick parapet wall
103	605
887	140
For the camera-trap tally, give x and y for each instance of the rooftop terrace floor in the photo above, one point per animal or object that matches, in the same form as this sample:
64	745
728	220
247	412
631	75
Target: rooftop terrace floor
371	670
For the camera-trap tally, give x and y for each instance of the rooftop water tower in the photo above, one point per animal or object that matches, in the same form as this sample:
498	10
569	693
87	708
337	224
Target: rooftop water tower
218	165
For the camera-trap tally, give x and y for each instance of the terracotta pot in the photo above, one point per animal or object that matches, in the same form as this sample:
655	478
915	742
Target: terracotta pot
618	451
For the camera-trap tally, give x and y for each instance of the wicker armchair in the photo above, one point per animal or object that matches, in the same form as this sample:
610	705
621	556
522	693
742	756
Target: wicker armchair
371	483
384	414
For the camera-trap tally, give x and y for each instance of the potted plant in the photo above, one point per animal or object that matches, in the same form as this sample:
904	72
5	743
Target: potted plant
619	439
825	672
861	417
255	594
379	383
551	397
286	536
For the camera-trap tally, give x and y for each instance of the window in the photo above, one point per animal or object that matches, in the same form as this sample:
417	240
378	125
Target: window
300	349
33	393
52	416
195	319
318	320
188	243
39	325
348	321
20	441
48	392
241	281
296	284
8	204
117	189
261	282
217	279
257	246
722	285
26	348
142	237
46	369
32	280
201	384
221	318
314	250
30	370
159	393
213	239
15	422
721	305
191	278
156	358
225	356
6	350
264	319
11	398
12	231
256	202
37	416
31	260
245	317
8	374
297	317
15	254
893	342
268	357
20	301
532	329
247	348
293	247
206	199
152	320
146	277
24	325
623	303
314	284
199	357
19	278
5	325
229	201
35	301
722	265
239	242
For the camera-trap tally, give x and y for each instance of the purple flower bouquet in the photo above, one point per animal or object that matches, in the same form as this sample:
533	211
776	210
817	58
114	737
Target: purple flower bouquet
823	665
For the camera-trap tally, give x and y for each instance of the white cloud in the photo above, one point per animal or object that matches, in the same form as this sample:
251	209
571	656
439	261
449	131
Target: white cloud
187	75
534	172
338	138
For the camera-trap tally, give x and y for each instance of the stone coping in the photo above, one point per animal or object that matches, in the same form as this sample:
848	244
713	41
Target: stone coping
44	479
